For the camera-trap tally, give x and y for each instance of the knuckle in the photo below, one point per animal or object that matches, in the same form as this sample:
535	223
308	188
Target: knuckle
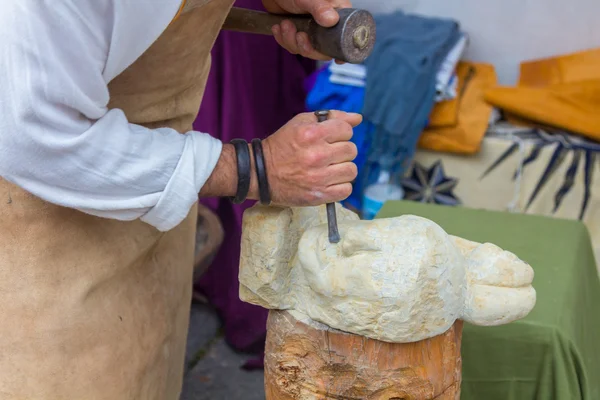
348	130
344	173
312	159
352	150
312	179
340	193
352	171
345	191
308	134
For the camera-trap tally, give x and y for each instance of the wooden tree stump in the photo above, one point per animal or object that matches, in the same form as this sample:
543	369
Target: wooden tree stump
303	362
315	362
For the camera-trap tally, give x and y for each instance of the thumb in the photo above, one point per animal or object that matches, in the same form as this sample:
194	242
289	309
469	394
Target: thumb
354	119
323	13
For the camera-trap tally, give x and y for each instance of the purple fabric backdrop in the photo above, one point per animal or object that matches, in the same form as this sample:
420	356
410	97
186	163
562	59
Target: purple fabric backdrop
254	88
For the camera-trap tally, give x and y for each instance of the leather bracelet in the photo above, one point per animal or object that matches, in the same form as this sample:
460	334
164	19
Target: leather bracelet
264	191
244	168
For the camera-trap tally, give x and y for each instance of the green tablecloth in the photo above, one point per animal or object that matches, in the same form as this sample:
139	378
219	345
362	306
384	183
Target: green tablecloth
553	353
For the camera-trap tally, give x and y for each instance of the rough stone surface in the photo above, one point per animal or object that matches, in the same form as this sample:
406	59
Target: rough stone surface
396	280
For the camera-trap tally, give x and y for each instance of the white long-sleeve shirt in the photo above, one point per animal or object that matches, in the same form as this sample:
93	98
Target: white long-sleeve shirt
59	141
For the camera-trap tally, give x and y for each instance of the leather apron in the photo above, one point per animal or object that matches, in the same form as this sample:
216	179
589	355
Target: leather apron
98	309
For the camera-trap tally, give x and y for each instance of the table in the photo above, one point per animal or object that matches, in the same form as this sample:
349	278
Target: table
487	179
553	353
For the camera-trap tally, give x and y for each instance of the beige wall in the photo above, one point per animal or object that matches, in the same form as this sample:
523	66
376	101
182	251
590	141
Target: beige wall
505	32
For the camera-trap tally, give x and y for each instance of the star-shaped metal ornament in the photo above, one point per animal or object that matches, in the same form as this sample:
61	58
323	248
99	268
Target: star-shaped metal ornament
430	185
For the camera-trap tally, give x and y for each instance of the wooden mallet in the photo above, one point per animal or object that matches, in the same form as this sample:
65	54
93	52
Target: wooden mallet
351	40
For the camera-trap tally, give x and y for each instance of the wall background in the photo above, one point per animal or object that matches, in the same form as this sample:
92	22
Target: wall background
506	32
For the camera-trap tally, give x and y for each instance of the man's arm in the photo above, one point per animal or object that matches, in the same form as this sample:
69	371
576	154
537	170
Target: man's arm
223	180
59	141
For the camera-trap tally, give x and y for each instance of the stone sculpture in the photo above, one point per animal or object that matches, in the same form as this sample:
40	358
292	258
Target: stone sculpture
398	282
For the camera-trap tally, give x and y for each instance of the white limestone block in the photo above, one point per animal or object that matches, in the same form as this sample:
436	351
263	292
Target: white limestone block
398	280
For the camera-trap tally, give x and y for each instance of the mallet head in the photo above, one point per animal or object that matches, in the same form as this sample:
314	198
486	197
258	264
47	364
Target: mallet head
351	40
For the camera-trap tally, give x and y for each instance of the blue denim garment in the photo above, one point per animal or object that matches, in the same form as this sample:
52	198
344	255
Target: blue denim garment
401	78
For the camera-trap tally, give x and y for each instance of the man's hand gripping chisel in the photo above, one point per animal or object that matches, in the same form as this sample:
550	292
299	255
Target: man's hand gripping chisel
351	40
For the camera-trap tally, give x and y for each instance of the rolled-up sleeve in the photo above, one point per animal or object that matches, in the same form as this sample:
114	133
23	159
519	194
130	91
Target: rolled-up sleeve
58	139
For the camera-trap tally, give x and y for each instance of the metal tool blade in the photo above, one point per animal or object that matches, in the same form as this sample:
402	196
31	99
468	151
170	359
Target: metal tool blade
334	234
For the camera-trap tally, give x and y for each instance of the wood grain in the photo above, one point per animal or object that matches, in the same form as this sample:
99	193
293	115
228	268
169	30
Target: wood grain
309	363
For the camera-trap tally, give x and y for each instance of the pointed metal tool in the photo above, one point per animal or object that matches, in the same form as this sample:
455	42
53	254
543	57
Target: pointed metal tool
334	234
